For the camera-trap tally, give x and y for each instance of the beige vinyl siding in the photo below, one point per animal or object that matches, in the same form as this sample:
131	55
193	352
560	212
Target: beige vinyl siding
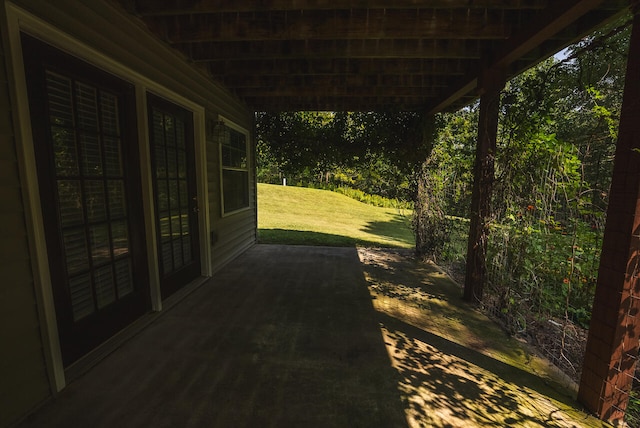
24	381
115	34
236	232
119	37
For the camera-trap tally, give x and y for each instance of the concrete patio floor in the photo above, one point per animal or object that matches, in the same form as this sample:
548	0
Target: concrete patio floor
294	336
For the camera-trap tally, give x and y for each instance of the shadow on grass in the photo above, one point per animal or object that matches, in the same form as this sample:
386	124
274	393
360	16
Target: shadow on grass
301	237
398	229
447	385
458	368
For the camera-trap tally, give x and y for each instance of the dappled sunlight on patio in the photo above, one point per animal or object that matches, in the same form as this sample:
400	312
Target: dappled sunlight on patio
456	367
318	337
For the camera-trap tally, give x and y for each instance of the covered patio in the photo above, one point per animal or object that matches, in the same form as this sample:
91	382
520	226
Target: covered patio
318	336
281	336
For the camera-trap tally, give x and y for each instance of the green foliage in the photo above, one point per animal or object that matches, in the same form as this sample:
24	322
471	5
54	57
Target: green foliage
430	225
374	152
556	139
450	166
539	271
369	199
632	417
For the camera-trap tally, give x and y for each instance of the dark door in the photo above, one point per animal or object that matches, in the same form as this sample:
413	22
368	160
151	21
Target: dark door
171	139
84	132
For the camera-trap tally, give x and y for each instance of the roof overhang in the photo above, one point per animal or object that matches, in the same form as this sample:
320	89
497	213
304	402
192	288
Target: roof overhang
365	55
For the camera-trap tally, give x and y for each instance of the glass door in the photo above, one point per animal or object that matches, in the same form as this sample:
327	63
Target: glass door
171	138
85	139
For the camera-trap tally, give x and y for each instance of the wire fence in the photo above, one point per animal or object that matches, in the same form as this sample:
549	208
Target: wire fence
560	333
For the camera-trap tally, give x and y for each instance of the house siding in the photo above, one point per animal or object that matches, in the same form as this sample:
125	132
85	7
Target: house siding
234	233
116	35
22	366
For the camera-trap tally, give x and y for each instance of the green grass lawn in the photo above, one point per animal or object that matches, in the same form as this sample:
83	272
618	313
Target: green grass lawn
297	215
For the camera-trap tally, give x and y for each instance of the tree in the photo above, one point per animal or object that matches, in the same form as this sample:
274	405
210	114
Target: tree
373	151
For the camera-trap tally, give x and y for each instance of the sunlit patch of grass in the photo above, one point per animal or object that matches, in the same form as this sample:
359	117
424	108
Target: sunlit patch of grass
297	215
456	367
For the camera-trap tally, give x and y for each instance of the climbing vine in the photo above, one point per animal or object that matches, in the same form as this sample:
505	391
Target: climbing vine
557	132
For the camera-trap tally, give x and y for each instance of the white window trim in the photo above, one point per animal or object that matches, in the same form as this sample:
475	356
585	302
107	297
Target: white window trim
226	122
18	20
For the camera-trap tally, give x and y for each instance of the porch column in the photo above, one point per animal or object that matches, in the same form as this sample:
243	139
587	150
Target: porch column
491	83
612	346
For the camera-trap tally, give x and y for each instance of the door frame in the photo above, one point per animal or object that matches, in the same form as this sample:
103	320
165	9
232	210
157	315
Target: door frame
18	20
184	274
79	337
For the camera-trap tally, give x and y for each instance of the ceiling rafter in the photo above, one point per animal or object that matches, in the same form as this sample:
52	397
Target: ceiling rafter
366	54
552	21
337	25
451	67
190	7
356	49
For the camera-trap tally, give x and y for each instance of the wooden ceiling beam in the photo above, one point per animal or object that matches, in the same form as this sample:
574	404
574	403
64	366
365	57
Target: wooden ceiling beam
328	103
366	54
189	7
337	91
452	67
560	15
408	81
337	25
379	48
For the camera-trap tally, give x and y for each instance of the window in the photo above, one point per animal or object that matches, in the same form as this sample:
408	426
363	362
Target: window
86	151
235	170
174	179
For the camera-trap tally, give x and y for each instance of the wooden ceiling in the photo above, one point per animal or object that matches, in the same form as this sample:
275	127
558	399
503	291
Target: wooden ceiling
365	55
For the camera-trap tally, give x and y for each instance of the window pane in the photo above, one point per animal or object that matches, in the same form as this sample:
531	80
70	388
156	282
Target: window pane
163	195
234	150
177	253
70	202
226	156
165	226
184	195
169	131
91	155
86	103
119	238
176	229
180	136
174	197
113	157
167	259
123	277
172	162
235	189
96	201
60	100
109	111
81	296
75	250
64	151
182	164
161	161
186	249
158	127
117	204
100	248
105	288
